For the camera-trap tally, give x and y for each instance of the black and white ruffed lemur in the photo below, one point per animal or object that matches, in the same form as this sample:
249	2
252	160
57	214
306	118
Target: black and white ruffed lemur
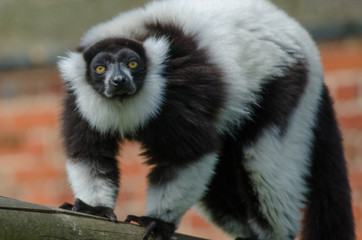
228	101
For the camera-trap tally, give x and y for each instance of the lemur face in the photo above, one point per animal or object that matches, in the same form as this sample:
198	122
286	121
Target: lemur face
116	68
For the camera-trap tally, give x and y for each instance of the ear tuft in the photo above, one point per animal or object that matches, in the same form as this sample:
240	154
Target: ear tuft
72	68
156	50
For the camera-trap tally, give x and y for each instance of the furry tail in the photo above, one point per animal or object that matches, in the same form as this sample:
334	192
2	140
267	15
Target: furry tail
329	211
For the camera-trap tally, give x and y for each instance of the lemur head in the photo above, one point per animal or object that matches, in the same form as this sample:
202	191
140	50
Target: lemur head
116	67
116	75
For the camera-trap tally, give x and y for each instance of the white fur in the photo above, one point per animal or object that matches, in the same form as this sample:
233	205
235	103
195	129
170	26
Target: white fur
250	41
112	115
247	47
170	201
278	166
93	190
229	224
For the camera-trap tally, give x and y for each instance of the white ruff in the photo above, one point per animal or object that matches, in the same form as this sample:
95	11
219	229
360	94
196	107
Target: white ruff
112	115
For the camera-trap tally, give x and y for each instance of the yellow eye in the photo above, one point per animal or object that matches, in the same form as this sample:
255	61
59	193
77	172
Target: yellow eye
100	69
133	64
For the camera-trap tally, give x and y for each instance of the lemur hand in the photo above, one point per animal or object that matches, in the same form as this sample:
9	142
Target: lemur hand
80	206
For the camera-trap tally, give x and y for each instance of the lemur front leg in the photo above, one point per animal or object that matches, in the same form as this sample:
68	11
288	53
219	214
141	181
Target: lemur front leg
169	196
91	165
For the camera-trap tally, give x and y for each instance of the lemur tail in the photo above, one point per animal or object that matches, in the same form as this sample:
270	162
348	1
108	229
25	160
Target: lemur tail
329	211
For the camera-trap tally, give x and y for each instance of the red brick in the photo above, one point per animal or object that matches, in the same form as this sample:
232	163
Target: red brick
342	60
358	234
124	196
39	198
198	222
349	150
5	121
356	180
201	227
33	147
347	92
38	174
131	169
30	120
341	54
353	121
9	142
357	212
66	196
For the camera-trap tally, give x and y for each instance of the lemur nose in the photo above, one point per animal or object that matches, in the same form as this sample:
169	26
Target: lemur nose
117	80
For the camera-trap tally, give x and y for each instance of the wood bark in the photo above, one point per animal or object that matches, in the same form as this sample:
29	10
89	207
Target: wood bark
28	221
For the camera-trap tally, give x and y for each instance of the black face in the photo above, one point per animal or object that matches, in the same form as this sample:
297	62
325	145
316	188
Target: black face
116	68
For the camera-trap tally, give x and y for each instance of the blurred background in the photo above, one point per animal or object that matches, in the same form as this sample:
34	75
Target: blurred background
33	33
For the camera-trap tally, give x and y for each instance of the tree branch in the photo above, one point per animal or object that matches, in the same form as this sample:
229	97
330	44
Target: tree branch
28	221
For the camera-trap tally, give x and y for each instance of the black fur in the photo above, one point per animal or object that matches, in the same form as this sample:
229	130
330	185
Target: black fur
85	144
184	131
326	213
278	98
194	93
112	45
232	194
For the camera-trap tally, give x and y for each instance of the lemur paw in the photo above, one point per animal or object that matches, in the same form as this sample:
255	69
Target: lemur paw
80	206
159	229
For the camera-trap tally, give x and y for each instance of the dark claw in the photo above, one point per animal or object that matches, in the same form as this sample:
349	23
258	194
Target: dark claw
149	230
160	230
80	206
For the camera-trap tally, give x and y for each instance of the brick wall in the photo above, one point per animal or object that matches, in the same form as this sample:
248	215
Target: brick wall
32	159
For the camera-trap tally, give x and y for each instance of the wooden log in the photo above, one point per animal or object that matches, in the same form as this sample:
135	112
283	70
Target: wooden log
28	221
